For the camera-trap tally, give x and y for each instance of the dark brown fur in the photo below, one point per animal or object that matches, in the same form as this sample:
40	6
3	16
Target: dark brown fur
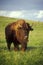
17	33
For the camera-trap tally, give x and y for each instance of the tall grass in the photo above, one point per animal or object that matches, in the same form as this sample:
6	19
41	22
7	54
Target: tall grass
34	53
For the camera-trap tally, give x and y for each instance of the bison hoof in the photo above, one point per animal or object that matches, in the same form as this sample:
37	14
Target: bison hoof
23	49
16	49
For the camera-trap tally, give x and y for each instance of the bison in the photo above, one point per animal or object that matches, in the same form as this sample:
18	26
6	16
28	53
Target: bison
17	32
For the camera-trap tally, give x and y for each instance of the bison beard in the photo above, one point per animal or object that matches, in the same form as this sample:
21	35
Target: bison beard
17	33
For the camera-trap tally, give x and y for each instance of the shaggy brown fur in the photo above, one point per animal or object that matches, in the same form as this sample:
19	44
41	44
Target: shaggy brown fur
17	33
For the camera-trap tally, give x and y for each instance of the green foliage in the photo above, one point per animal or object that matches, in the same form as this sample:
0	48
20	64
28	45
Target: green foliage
34	53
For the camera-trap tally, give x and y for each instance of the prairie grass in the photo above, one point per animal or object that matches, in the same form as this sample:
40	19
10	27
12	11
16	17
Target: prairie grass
34	53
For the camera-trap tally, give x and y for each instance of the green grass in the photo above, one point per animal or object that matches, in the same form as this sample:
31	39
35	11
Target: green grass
34	53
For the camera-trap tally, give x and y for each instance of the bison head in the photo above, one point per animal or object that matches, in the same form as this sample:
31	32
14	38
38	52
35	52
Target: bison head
23	31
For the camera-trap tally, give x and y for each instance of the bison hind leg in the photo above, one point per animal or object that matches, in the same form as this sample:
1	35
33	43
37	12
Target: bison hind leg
16	45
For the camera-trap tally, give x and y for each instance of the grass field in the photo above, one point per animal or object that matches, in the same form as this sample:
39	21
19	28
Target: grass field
34	53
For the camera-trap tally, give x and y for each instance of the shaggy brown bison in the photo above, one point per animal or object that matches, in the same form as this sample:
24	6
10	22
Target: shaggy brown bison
17	33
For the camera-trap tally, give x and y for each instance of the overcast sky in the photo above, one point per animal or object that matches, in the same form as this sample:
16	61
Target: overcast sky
27	9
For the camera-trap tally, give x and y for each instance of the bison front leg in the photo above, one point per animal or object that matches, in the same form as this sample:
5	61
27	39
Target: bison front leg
8	45
24	46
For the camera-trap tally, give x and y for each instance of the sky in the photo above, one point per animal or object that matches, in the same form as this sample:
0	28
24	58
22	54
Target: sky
26	9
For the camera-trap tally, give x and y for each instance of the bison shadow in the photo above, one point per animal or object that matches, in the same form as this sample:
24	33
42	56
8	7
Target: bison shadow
12	49
31	48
